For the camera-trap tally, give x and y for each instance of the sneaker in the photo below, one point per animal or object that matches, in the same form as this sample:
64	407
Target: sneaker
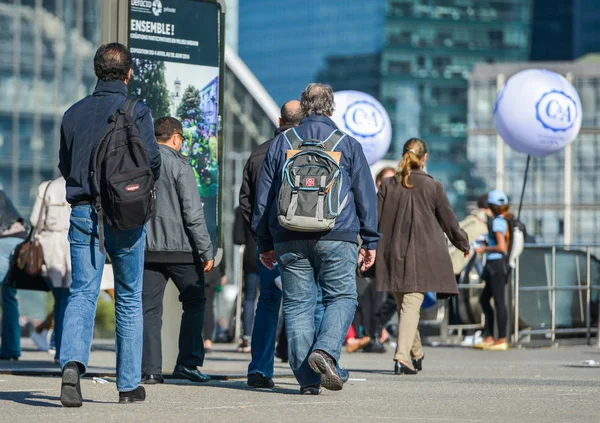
70	390
257	380
244	347
137	395
41	340
345	375
321	362
311	390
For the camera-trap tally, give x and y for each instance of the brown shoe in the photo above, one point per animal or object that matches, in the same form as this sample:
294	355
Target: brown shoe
361	343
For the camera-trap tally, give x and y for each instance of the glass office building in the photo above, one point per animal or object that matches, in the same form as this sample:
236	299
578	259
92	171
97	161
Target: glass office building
286	44
545	207
46	64
430	50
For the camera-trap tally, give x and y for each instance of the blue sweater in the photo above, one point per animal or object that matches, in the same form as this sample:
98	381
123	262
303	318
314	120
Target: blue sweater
359	216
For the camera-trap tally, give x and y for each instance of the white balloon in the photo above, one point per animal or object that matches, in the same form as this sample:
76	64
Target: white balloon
538	112
364	118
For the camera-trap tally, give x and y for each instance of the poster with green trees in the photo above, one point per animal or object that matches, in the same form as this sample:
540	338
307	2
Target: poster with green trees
149	84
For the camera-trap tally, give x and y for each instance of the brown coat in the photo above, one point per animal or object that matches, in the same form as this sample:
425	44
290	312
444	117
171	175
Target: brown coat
413	255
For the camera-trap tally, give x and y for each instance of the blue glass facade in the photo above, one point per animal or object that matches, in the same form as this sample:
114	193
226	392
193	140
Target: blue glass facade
286	44
430	50
46	56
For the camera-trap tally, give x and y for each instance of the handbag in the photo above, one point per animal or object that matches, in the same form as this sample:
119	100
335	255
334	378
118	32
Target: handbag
27	260
29	254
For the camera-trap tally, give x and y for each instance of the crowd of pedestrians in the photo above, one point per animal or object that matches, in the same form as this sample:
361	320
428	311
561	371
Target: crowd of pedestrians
341	252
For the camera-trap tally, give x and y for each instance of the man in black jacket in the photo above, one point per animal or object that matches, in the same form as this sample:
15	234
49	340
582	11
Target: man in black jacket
178	247
260	371
81	129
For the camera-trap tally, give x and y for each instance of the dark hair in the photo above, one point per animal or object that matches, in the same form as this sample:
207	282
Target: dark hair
317	99
382	172
291	115
482	202
498	210
165	127
412	158
112	62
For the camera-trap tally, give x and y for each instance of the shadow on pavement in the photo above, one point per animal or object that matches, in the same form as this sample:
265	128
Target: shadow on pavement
239	385
30	398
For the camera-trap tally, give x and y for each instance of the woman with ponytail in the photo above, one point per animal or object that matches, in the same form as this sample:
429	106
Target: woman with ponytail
412	257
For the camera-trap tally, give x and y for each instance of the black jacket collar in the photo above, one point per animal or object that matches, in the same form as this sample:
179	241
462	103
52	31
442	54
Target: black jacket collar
283	128
110	87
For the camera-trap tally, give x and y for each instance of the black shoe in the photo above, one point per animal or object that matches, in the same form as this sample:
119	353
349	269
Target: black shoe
311	390
153	379
403	369
137	395
344	375
418	364
320	362
190	373
257	380
70	390
374	347
9	358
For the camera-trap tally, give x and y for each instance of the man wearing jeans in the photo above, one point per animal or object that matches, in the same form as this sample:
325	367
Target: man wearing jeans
327	259
82	125
260	371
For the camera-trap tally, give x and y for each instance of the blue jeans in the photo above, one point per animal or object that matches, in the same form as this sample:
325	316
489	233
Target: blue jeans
61	298
11	330
126	250
305	265
264	333
251	282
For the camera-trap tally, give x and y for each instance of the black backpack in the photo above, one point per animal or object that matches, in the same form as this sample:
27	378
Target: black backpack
121	179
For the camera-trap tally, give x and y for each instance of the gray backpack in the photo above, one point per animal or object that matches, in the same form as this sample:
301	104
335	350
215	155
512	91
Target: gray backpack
309	197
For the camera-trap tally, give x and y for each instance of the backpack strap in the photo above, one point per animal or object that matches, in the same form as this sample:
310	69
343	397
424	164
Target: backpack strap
332	141
129	105
293	139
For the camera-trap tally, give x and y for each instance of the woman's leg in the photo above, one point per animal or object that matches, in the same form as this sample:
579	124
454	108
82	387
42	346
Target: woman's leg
498	288
488	311
409	306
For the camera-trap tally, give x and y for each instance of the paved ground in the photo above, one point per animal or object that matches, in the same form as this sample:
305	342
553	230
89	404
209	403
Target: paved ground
527	385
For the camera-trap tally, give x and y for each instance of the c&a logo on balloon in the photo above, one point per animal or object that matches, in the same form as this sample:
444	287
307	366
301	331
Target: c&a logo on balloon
363	119
556	111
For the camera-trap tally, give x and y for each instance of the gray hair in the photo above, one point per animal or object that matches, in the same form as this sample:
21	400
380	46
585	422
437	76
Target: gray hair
317	99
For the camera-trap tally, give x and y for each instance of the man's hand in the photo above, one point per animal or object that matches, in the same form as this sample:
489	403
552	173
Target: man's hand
223	280
467	254
208	265
366	259
268	259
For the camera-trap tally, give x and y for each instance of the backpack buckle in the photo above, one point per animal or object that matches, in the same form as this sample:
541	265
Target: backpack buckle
322	191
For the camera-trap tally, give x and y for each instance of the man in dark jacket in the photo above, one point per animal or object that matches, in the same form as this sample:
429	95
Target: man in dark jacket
260	370
178	247
328	259
81	128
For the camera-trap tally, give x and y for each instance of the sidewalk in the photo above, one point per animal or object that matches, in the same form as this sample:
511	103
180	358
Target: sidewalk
457	385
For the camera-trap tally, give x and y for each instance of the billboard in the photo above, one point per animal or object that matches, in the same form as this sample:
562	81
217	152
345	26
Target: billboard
177	71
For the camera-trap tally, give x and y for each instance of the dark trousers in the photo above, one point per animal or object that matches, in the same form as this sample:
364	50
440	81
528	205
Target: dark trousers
209	317
495	287
369	302
386	311
189	279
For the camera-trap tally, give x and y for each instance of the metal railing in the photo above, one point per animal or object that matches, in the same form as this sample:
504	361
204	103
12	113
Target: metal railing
552	288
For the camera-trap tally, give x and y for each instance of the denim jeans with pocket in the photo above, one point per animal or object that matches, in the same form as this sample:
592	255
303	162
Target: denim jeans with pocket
11	330
264	332
331	265
126	250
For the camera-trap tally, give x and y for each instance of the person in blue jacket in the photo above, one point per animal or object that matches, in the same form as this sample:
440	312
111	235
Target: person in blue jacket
328	259
495	275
